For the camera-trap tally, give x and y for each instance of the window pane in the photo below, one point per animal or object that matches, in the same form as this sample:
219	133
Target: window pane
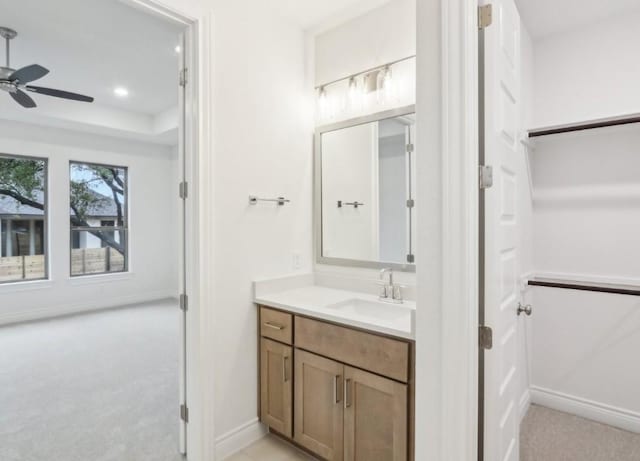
91	254
98	193
98	217
22	218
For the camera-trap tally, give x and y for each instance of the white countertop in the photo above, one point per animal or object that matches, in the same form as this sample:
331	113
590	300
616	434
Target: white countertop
361	311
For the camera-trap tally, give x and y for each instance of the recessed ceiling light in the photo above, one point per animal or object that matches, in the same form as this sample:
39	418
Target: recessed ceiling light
178	48
121	92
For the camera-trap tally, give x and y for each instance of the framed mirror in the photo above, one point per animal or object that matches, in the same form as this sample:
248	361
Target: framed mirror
365	191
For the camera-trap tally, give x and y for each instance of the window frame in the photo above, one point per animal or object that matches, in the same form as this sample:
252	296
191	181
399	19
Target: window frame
45	218
124	230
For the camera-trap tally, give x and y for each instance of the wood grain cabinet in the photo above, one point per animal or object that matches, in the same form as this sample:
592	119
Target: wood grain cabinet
276	386
345	396
319	425
375	418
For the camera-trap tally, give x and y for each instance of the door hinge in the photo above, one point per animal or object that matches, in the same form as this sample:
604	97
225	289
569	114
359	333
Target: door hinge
411	258
183	77
184	413
411	203
410	148
486	176
184	302
184	190
485	336
485	16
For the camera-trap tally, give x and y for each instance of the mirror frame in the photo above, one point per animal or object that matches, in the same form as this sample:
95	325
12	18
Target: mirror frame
317	191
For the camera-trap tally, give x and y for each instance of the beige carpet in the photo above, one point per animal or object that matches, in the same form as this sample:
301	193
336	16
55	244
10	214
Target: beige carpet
549	435
94	387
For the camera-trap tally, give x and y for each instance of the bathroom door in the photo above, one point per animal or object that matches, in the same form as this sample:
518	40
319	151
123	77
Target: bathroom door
500	45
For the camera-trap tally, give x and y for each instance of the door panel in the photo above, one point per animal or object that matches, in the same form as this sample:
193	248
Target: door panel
375	418
318	405
502	125
276	386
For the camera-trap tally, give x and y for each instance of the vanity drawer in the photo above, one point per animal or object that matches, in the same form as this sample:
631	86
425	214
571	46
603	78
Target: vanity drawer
276	325
384	356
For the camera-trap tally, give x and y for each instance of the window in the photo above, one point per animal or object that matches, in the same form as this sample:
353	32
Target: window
98	218
23	218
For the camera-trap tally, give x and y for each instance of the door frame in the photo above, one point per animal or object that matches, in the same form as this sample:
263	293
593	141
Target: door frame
448	241
198	252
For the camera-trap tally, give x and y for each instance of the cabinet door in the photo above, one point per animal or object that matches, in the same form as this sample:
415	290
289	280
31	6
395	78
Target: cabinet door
276	386
375	418
318	405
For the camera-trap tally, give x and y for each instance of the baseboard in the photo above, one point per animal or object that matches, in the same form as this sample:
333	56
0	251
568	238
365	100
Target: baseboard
30	315
595	411
239	438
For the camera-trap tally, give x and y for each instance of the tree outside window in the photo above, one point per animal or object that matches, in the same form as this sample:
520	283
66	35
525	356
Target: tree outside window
23	218
98	217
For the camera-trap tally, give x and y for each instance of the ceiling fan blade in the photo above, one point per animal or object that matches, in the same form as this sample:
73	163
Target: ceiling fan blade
29	73
23	99
59	93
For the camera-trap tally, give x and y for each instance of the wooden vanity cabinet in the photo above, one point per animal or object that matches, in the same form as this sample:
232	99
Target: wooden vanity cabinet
276	386
346	394
375	417
318	405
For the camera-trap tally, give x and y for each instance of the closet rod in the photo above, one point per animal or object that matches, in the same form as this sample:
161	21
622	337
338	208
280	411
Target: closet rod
602	123
600	288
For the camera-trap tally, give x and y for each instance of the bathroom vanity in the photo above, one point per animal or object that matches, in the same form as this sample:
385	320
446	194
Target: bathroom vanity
337	372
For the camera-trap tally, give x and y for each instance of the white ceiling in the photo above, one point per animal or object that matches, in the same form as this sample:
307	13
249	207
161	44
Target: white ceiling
310	14
92	46
548	17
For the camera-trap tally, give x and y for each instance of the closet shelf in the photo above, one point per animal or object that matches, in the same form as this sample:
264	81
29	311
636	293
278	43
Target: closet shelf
585	125
585	286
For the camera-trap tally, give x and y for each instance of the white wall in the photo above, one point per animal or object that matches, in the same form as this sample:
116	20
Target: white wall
588	73
262	138
153	256
382	35
586	221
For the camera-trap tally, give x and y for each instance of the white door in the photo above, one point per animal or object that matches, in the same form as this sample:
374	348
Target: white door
182	162
502	253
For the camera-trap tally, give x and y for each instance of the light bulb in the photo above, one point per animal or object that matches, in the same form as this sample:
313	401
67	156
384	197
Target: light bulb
354	92
387	78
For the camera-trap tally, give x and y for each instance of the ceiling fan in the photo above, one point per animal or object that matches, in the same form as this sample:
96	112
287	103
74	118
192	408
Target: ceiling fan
15	81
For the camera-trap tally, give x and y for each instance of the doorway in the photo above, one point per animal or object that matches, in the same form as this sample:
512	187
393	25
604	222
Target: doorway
91	274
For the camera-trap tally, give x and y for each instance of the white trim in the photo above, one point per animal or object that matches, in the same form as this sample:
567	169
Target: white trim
239	438
28	285
524	404
80	280
50	312
589	409
447	273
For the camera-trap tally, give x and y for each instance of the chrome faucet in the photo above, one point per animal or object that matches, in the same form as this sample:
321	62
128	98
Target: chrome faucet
389	292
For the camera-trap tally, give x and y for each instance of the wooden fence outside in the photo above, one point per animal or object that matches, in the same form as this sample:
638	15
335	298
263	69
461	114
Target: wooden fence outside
83	261
22	268
96	261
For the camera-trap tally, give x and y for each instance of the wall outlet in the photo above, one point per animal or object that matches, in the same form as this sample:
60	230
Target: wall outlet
296	261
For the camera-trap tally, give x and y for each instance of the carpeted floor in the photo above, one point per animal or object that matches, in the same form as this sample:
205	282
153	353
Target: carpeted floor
549	435
95	387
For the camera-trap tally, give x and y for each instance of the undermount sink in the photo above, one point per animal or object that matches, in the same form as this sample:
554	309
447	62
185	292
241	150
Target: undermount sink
371	309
